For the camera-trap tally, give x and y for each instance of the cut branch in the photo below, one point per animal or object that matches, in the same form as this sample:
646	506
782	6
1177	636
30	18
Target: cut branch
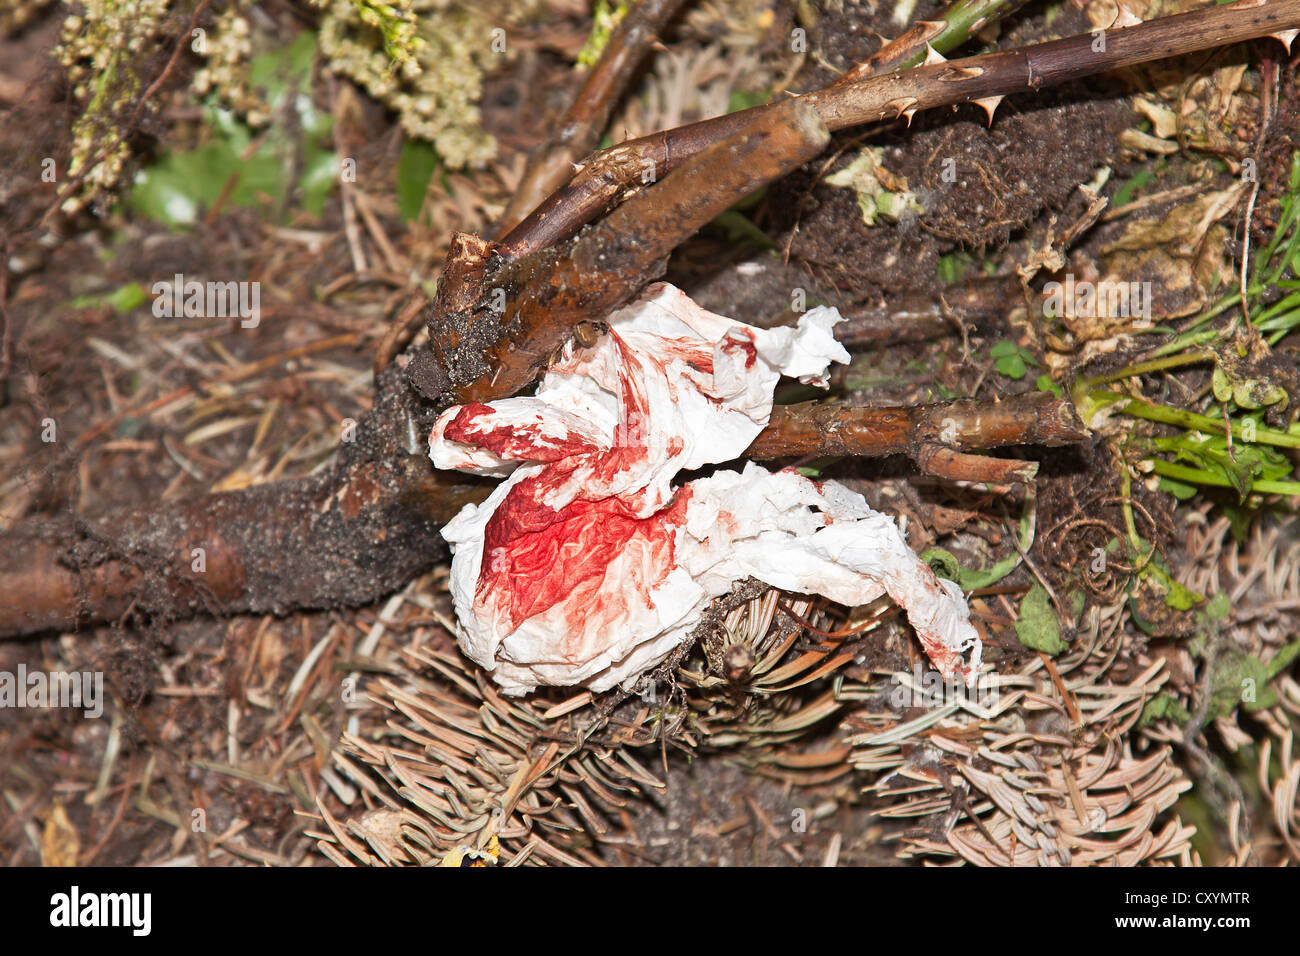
493	327
1031	418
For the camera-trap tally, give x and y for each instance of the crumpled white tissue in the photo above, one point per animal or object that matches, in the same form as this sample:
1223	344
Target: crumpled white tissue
587	566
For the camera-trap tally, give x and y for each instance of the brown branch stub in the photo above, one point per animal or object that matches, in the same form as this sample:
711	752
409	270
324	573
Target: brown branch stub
937	437
944	462
495	324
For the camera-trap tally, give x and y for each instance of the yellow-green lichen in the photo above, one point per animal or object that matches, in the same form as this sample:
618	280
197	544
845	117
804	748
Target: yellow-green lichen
228	50
431	77
101	46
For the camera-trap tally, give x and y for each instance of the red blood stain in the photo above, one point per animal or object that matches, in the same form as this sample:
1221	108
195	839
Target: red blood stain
731	344
534	556
510	442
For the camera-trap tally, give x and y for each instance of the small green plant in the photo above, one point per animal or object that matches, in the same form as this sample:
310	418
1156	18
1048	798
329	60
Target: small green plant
1228	445
416	164
1012	360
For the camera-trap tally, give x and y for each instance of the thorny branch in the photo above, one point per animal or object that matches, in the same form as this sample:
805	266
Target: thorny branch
603	177
981	79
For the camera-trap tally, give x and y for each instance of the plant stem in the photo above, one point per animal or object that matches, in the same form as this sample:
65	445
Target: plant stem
1203	423
1198	476
1189	338
1152	365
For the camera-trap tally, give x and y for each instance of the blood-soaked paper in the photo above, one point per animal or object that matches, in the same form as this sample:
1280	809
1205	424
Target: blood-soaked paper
588	565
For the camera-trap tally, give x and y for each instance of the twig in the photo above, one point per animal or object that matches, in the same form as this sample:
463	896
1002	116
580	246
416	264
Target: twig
400	332
551	164
922	316
937	437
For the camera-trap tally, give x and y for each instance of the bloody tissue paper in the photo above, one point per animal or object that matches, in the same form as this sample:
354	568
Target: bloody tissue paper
587	565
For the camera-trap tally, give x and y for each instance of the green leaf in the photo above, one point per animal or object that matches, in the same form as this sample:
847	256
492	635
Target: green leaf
1241	469
128	297
953	267
943	563
278	72
1240	519
1012	366
1247	392
1124	195
740	229
1217	607
1176	488
1157	575
1038	627
175	188
1044	383
1239	680
1177	596
416	164
946	565
740	100
1161	707
1282	659
1003	349
320	173
121	300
